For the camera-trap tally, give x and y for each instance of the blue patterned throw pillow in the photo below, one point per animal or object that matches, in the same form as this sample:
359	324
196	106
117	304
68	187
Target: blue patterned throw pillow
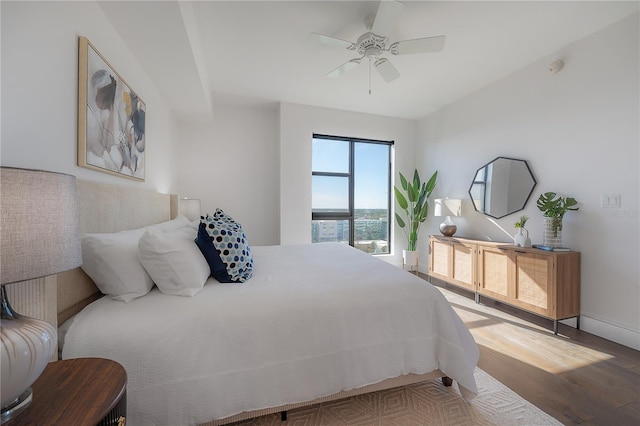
221	215
231	246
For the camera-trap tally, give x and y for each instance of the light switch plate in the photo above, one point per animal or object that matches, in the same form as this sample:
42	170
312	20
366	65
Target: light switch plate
610	201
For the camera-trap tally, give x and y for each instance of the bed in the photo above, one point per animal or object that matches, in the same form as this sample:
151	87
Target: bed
315	322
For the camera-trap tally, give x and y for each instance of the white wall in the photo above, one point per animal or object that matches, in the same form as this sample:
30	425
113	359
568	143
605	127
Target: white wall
232	163
40	90
578	130
298	123
254	162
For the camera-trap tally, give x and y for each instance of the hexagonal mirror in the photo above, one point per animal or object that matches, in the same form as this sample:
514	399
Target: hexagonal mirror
502	187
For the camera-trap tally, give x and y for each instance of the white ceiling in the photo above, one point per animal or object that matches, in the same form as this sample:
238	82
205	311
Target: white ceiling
202	53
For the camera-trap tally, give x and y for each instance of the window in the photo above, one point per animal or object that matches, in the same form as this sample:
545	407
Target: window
350	202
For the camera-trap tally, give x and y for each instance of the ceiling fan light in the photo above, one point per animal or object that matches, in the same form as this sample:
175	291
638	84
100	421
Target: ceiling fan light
375	42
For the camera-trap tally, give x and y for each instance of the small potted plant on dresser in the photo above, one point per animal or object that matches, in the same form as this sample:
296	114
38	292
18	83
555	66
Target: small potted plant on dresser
554	208
412	198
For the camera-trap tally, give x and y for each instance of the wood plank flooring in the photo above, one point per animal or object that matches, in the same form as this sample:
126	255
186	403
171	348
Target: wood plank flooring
576	377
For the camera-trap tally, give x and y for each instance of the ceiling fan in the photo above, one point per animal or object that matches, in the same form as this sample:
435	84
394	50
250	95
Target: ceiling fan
375	42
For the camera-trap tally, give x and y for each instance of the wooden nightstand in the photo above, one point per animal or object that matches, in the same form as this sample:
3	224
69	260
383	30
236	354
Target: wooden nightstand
82	391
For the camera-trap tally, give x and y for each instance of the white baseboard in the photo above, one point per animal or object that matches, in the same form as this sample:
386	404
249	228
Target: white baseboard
615	333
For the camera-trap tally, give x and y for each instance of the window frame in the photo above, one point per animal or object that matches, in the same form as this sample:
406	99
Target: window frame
350	215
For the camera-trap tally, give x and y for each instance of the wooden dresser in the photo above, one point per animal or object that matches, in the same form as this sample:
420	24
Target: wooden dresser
542	282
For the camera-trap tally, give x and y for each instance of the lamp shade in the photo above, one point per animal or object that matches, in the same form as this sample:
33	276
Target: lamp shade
39	236
40	231
447	207
190	208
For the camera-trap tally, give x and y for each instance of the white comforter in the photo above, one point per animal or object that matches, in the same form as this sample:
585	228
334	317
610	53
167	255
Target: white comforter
314	320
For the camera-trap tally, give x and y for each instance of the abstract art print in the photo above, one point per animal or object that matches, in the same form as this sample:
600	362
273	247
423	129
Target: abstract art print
111	118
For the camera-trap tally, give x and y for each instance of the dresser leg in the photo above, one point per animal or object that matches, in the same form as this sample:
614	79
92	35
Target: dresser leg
555	327
578	322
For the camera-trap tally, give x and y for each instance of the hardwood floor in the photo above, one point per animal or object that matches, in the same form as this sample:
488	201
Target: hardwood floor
576	377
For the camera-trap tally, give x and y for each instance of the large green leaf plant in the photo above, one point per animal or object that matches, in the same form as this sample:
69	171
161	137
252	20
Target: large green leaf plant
413	202
554	206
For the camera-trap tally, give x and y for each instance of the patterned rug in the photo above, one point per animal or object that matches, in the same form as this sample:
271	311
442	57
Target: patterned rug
421	404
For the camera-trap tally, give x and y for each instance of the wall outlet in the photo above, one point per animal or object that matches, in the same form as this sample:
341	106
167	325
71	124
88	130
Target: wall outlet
610	201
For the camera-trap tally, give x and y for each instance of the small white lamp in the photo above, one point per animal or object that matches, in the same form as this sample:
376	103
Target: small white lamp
40	236
190	208
447	207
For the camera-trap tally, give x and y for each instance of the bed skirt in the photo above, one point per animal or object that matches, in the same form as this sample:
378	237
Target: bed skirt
407	379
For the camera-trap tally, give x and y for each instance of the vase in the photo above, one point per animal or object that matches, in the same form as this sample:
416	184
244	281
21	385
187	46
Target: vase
521	239
552	232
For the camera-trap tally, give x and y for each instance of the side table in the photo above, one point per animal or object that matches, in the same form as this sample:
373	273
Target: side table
80	391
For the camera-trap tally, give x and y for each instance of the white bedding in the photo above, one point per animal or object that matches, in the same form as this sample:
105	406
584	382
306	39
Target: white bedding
314	320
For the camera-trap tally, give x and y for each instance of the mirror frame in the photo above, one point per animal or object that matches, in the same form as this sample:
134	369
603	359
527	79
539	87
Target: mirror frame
524	204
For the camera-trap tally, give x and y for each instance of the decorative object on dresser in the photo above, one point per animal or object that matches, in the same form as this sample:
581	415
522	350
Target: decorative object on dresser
111	118
546	283
502	187
554	208
80	391
521	239
40	237
447	207
190	208
413	200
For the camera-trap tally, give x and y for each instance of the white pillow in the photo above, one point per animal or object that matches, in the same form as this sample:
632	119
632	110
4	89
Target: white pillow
111	261
174	261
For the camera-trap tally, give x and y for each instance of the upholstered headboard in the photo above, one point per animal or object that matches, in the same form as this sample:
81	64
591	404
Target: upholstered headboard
108	208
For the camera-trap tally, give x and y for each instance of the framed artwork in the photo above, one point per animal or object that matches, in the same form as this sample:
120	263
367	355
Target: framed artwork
111	118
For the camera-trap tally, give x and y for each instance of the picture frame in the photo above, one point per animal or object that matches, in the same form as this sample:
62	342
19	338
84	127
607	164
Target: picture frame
111	118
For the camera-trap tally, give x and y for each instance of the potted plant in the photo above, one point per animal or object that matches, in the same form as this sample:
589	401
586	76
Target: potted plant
554	207
521	239
412	199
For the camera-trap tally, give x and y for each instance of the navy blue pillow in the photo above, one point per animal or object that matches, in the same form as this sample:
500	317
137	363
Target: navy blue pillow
217	266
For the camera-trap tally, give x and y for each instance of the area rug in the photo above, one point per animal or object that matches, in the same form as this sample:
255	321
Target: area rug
421	404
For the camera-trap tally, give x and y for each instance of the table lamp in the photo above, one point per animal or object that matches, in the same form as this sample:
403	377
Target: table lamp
40	236
190	208
447	207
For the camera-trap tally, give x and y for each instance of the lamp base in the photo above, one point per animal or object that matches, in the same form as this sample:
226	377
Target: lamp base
26	346
17	406
448	229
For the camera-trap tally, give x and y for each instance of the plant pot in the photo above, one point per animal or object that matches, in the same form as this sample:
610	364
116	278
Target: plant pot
552	233
521	239
410	258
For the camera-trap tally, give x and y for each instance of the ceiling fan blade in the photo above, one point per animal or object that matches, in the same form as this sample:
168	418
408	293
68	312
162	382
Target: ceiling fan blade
344	68
418	45
386	70
332	41
388	13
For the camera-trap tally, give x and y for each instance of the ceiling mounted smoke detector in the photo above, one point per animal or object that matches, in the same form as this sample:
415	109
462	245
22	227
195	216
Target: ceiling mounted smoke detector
555	66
